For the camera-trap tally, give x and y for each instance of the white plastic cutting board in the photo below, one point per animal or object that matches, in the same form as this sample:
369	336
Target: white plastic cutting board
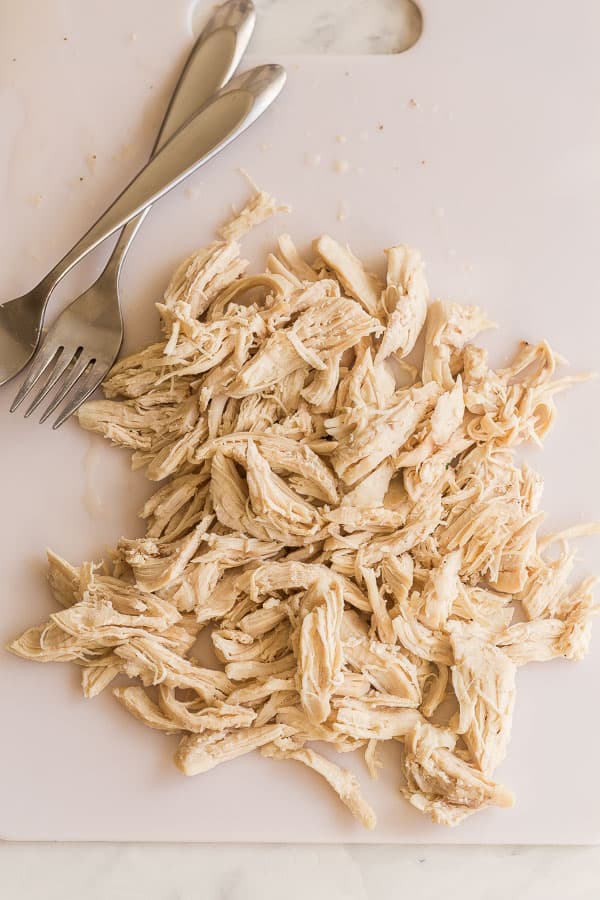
494	174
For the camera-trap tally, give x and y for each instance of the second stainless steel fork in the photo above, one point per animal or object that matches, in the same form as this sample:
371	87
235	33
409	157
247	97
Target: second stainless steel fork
84	342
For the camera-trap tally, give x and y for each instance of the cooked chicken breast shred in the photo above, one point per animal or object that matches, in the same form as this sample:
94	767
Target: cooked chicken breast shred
341	512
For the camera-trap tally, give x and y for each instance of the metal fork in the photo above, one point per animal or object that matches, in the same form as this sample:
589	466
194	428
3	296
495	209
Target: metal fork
84	342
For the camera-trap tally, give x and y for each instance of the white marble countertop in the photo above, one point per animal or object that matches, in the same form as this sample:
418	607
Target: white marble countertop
246	872
239	872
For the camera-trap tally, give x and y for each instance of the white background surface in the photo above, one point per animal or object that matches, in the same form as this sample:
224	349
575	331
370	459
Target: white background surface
279	872
32	871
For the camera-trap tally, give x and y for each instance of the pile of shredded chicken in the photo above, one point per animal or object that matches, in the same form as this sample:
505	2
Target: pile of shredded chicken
353	529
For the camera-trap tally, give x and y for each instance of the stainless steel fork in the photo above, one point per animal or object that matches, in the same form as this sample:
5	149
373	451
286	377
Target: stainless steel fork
84	342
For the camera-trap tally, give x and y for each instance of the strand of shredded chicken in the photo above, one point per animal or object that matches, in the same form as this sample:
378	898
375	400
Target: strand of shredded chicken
364	552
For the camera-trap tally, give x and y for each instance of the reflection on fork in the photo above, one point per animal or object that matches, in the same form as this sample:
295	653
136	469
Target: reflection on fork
80	348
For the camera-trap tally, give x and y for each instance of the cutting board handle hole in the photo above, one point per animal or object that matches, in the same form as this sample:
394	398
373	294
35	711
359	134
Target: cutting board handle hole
342	27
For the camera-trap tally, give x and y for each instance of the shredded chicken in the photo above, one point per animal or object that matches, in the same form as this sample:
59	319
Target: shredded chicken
356	547
483	678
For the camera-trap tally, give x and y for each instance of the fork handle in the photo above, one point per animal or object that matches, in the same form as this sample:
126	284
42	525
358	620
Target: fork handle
227	115
211	63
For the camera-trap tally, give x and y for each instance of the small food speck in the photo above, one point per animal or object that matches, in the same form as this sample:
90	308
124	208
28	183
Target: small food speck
341	138
423	162
65	38
91	162
380	127
81	177
14	59
341	166
312	159
36	200
413	103
341	213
